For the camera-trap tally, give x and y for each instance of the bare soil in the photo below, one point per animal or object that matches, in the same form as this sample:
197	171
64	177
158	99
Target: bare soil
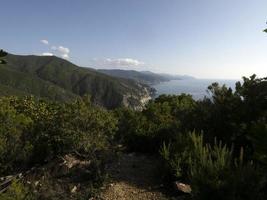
134	177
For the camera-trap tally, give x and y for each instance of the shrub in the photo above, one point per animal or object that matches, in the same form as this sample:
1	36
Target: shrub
17	191
14	128
211	170
145	131
258	135
36	131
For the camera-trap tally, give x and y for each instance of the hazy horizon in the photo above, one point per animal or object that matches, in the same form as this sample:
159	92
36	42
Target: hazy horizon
205	39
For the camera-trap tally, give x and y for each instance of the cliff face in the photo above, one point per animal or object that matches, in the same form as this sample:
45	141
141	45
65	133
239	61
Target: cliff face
139	100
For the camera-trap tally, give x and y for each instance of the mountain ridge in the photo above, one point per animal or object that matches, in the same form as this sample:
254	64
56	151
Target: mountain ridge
145	77
58	79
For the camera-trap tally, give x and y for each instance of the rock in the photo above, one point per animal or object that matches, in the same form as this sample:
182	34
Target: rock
70	161
36	183
181	187
74	189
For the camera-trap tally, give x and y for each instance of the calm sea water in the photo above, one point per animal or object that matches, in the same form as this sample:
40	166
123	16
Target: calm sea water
196	87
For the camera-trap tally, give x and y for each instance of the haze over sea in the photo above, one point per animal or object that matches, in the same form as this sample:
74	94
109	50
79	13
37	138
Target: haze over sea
196	87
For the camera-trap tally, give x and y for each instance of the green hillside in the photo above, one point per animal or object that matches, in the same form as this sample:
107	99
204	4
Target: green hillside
142	77
16	81
57	79
145	77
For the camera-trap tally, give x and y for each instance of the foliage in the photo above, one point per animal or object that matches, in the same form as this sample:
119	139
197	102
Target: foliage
54	78
235	117
17	191
258	135
2	54
36	131
145	131
212	171
223	161
228	115
141	77
14	127
189	155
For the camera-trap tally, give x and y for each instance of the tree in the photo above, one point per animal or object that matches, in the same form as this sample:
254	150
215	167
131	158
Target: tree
2	54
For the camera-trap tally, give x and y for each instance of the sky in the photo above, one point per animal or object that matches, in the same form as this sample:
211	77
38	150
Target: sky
203	38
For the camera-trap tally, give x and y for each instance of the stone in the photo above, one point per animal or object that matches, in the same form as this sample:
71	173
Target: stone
74	189
181	187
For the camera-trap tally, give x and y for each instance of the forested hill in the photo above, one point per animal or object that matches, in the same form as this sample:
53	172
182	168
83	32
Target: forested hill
146	77
142	77
58	79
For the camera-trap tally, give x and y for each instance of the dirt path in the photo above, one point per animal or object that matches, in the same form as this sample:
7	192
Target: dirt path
134	177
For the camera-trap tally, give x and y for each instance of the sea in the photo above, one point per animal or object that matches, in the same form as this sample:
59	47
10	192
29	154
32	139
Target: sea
195	87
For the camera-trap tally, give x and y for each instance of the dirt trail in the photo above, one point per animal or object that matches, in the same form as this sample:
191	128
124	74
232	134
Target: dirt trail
134	177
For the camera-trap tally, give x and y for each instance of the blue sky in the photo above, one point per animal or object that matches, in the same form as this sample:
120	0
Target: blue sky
203	38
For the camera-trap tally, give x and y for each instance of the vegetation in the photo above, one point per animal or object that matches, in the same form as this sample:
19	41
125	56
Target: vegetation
145	77
2	54
35	132
217	145
142	77
212	171
53	78
17	191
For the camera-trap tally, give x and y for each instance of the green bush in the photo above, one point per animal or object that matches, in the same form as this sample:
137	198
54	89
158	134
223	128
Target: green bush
258	135
14	129
35	131
145	131
17	191
2	54
212	171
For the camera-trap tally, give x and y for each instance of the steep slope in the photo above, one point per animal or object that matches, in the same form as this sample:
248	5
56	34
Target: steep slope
18	83
58	79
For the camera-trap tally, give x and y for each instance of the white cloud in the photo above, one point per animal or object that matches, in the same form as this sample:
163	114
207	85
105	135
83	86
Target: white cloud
65	56
47	54
119	62
44	42
62	51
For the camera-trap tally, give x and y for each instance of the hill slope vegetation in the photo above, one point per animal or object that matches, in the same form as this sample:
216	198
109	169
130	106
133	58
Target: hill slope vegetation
57	79
145	77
